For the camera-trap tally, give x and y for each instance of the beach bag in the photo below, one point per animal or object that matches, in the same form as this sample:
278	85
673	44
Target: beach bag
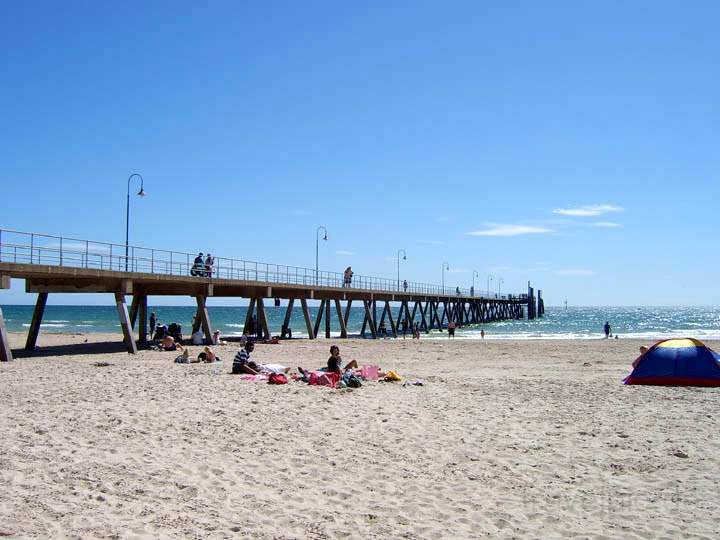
351	380
392	376
277	378
324	378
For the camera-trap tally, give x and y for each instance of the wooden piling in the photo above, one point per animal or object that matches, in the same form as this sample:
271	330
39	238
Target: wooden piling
286	321
5	351
262	319
308	319
125	323
34	330
341	319
202	314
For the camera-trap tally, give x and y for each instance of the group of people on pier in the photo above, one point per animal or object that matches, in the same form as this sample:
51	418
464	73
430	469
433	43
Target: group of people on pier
202	267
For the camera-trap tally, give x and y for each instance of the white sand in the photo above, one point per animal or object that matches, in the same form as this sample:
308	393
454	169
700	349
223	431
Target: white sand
507	439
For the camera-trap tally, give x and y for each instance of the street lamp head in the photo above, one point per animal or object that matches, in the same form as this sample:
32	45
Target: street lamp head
325	237
404	257
142	193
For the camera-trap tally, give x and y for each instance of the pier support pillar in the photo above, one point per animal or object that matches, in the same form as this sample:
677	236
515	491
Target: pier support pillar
5	352
34	330
134	309
346	317
341	318
125	323
285	330
369	319
319	318
248	319
327	319
201	317
308	320
393	326
143	325
262	320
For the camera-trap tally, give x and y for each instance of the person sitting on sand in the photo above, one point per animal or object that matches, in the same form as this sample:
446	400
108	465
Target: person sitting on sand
208	356
333	363
169	344
242	362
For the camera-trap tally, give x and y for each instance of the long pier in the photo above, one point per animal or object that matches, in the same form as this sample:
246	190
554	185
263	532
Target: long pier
53	264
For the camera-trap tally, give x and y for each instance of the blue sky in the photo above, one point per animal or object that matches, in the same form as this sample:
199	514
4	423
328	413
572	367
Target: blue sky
573	144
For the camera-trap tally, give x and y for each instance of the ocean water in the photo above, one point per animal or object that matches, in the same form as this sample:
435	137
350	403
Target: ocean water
558	323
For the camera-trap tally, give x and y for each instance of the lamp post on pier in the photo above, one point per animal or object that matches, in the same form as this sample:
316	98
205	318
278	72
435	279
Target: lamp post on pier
489	279
140	193
317	249
475	274
500	282
445	266
404	258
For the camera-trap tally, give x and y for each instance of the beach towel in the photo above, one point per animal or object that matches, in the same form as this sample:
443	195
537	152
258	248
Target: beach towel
253	378
324	378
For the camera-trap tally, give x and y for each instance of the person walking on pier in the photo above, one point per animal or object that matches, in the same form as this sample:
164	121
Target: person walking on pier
405	285
347	277
607	329
457	290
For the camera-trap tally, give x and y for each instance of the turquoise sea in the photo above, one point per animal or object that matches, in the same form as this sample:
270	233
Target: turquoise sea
558	323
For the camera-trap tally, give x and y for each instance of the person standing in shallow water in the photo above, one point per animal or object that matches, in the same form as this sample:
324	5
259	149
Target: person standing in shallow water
606	328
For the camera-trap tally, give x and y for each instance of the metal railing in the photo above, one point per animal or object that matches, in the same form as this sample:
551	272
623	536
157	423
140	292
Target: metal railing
34	248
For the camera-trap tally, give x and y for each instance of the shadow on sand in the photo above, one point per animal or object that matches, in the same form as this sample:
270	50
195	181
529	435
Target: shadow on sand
96	347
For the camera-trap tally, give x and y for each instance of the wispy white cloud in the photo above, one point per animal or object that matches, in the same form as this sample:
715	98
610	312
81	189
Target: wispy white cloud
345	252
588	210
495	229
575	272
606	224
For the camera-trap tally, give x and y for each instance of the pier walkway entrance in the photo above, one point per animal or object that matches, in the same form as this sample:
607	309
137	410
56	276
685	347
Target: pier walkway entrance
53	264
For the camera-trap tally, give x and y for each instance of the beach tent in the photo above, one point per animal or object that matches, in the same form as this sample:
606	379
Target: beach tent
677	362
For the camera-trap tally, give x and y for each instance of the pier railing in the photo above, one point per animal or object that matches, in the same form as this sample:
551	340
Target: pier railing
34	248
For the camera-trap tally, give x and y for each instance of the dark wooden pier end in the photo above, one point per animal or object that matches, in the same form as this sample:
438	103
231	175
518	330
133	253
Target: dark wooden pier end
48	270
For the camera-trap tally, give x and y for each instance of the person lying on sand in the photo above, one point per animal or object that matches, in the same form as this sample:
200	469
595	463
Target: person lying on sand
208	356
169	344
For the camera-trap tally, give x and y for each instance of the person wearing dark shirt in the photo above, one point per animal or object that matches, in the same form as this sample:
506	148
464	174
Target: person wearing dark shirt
335	361
242	362
606	328
153	322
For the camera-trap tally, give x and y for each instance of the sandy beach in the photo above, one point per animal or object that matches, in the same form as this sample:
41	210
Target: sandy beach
506	439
